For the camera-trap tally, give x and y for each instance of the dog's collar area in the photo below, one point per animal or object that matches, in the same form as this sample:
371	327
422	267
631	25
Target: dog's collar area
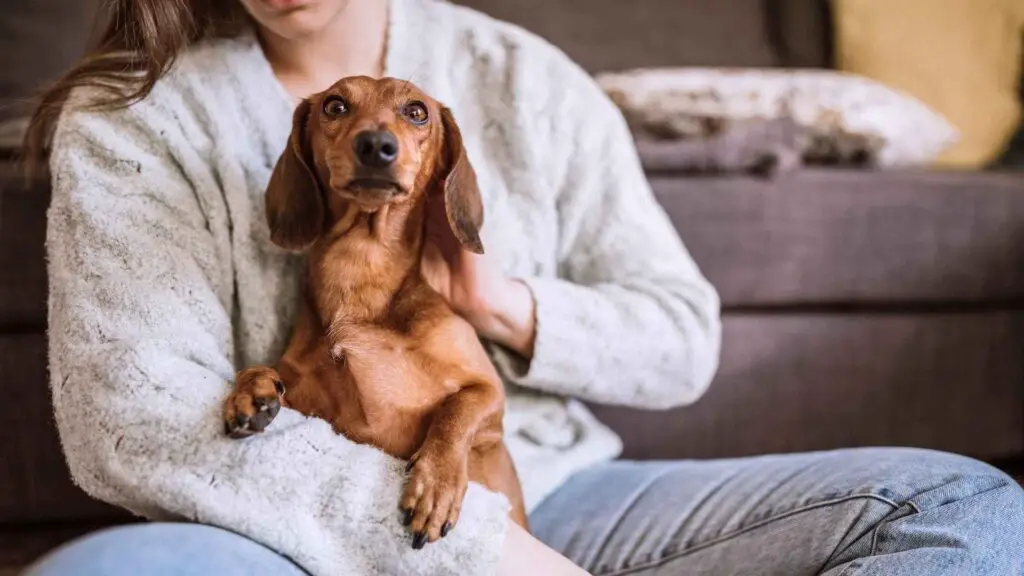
373	218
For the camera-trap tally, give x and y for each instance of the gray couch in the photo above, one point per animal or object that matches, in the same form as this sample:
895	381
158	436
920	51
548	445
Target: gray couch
861	308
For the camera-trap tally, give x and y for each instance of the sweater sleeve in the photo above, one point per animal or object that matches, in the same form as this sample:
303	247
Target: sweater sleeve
630	319
141	343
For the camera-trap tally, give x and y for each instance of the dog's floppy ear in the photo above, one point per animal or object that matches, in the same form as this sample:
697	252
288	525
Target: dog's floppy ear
294	200
463	205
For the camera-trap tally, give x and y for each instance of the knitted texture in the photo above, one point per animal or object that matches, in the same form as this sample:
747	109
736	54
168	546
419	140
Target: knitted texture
164	282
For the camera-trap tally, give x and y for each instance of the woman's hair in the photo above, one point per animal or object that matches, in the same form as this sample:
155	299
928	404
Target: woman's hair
139	44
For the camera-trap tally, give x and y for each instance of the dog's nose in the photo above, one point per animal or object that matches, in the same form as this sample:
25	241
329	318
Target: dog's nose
376	148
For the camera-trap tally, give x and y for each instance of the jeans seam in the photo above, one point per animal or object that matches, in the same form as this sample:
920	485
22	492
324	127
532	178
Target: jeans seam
739	532
916	509
861	563
874	533
857	565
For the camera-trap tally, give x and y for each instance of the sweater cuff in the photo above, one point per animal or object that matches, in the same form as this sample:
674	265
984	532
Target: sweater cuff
561	332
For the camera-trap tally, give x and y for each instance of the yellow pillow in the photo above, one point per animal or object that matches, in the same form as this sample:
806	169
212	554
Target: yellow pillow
961	57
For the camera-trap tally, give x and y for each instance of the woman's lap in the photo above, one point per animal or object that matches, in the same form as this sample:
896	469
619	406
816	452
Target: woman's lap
844	513
163	549
850	513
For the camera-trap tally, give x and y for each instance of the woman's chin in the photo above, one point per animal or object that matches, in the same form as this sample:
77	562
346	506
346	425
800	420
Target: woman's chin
293	19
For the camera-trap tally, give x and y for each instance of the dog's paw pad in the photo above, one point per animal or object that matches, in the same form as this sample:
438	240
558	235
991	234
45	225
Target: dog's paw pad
254	403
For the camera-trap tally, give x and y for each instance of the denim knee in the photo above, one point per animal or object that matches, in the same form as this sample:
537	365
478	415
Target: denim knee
965	504
941	478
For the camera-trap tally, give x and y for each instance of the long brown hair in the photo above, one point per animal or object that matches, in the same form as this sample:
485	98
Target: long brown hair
139	44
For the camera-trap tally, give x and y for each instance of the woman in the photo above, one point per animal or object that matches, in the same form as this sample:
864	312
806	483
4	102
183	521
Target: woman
163	280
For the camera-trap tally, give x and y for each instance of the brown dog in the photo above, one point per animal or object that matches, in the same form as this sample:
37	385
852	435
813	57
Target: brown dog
375	351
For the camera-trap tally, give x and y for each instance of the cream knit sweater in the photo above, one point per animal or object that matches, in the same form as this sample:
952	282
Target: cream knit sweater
164	282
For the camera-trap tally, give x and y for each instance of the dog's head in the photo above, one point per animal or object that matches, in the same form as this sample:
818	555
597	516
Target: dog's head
370	143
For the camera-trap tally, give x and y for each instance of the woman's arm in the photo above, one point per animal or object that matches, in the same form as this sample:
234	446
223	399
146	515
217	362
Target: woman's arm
141	344
631	320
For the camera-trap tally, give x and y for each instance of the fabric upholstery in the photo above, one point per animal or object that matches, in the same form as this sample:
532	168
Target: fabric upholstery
39	39
613	35
796	381
847	237
22	231
35	485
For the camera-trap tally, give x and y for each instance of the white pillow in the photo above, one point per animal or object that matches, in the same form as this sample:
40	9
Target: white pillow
911	133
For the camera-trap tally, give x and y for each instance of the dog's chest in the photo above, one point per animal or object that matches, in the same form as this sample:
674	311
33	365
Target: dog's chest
389	387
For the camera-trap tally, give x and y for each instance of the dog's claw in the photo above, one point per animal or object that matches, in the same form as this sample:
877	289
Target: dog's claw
407	516
239	428
419	540
437	482
239	433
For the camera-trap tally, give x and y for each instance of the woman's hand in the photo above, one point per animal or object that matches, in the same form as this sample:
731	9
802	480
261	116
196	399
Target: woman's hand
501	309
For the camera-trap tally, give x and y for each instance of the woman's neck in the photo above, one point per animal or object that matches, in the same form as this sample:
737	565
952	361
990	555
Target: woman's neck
353	44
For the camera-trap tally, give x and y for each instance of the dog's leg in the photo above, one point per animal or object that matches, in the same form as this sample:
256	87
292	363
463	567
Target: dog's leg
468	419
254	402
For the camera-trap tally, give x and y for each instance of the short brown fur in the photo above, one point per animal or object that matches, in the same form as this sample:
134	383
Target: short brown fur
376	351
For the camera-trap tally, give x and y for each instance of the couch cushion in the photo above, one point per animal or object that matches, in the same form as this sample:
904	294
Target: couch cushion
795	382
849	237
613	34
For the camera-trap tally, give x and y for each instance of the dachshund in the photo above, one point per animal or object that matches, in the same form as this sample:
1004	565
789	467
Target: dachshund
375	350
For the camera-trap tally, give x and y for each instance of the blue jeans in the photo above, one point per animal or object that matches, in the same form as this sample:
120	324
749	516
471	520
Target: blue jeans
891	512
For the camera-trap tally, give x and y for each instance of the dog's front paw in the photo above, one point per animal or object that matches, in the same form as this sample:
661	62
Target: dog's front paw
433	494
254	403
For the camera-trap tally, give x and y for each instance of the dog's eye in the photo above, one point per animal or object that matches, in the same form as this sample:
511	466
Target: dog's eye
335	106
416	112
